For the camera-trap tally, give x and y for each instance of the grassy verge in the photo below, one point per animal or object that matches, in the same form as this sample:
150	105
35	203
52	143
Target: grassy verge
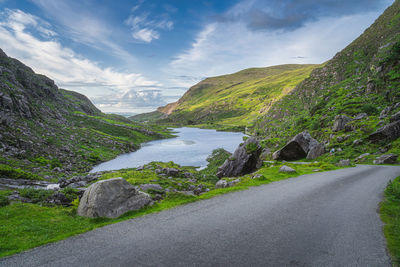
390	215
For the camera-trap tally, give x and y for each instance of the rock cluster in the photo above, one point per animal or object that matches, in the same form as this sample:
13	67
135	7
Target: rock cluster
111	198
244	160
386	159
301	146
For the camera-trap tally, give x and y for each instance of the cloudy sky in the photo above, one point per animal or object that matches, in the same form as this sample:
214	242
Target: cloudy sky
136	55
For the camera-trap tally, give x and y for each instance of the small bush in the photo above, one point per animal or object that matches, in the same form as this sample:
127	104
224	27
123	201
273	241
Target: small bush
13	173
393	188
36	195
4	201
251	147
369	109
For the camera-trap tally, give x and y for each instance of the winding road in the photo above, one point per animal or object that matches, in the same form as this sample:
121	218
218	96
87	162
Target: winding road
322	219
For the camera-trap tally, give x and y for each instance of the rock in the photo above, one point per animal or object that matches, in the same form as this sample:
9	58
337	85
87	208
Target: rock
246	159
286	169
386	159
147	187
385	112
111	198
388	132
362	156
199	189
232	183
58	198
341	139
395	117
343	163
301	146
360	116
221	184
357	142
340	123
171	171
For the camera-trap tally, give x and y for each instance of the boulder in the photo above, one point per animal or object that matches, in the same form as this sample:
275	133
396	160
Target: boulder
340	123
301	146
385	112
58	198
171	171
221	184
360	116
388	132
246	159
286	169
362	156
111	198
386	159
343	163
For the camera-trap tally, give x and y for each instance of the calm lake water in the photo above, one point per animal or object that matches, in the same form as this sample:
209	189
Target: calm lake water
190	148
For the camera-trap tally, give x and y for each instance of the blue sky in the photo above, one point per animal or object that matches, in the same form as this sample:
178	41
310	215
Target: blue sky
133	56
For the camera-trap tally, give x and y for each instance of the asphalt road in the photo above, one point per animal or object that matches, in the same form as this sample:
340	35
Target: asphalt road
323	219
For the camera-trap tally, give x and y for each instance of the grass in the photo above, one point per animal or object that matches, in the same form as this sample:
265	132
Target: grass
390	215
24	226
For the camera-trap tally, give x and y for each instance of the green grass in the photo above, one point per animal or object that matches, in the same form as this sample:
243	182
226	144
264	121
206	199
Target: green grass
390	215
16	173
25	226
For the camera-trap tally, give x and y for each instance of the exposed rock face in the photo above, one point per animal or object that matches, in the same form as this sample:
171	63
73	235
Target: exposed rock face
301	146
386	159
286	169
111	198
385	112
340	123
388	132
395	117
246	159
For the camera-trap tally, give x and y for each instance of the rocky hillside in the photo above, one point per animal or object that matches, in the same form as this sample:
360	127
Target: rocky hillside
233	100
49	131
349	98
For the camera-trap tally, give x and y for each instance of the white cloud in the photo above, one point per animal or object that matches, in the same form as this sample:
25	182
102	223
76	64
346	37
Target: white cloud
229	46
145	29
69	69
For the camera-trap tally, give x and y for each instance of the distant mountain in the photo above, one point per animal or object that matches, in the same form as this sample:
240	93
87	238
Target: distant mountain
57	130
233	100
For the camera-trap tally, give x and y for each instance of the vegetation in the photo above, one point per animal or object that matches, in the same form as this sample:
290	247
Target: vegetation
24	226
7	171
390	214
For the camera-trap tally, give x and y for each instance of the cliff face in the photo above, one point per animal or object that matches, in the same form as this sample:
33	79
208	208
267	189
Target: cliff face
43	127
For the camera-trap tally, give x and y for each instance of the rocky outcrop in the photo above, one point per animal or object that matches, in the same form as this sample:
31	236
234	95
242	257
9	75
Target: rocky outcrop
386	159
111	198
244	160
301	146
388	132
343	163
340	123
224	184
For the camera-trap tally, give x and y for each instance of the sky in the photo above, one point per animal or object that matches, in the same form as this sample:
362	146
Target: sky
132	56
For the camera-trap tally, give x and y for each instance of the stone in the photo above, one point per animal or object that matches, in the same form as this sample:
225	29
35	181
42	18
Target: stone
389	132
221	184
147	187
286	169
385	112
58	198
360	116
111	198
340	123
395	117
343	138
362	156
386	159
357	142
301	146
245	159
343	163
171	171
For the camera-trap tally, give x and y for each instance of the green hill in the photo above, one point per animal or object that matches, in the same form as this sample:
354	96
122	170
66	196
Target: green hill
54	132
362	78
234	100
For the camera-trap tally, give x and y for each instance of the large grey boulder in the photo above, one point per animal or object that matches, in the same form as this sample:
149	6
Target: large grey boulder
111	198
388	132
245	159
301	146
386	159
286	169
340	123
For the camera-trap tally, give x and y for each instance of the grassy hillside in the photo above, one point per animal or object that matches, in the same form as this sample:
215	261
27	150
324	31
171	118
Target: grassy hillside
234	100
362	78
53	132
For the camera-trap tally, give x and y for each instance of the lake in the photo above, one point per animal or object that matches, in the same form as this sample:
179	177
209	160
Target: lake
191	147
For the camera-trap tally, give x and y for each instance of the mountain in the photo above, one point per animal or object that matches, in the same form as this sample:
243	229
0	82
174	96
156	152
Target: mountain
233	100
362	83
51	131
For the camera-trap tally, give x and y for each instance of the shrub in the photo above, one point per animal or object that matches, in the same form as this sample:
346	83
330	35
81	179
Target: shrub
4	201
13	173
36	195
369	109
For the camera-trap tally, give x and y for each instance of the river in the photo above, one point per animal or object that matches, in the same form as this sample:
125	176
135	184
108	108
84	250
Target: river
190	148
